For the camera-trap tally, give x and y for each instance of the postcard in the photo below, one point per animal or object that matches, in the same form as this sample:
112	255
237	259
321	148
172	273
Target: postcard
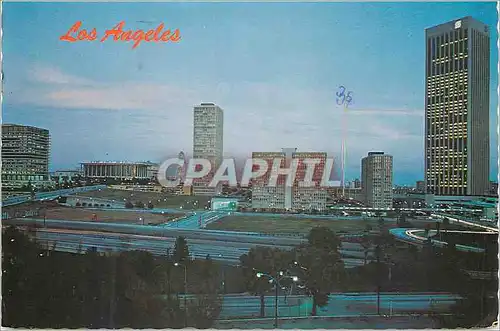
249	165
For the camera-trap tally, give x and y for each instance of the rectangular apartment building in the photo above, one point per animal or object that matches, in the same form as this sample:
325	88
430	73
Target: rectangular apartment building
309	198
25	155
208	143
376	182
264	197
457	73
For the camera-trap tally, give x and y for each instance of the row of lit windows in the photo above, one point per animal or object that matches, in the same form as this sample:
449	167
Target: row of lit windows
434	111
448	76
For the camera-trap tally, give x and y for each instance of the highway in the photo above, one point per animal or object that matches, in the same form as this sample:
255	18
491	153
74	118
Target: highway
49	195
197	220
417	237
157	231
339	304
227	252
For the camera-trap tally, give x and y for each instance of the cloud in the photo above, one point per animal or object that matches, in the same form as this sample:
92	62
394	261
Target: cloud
386	112
51	75
258	116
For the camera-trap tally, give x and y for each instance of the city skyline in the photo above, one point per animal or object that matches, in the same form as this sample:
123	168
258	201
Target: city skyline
138	105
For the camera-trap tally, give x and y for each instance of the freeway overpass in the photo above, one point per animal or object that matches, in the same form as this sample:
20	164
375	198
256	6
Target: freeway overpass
417	237
49	195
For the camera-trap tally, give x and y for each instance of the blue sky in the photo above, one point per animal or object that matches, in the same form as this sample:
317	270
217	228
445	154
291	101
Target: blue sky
273	68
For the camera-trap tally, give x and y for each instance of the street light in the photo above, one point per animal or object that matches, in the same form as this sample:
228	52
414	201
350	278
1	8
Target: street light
276	286
185	291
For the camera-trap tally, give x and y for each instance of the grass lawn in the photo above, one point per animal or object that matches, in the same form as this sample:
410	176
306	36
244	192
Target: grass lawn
82	214
280	224
159	200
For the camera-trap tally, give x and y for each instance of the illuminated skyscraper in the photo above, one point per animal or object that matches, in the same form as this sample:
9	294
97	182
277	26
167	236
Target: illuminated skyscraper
457	108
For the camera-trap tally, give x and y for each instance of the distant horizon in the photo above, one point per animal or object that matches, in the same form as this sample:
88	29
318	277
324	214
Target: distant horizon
274	68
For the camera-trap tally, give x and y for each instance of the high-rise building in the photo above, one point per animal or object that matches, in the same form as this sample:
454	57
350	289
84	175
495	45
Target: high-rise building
263	196
25	155
314	197
208	143
295	196
420	186
376	182
457	75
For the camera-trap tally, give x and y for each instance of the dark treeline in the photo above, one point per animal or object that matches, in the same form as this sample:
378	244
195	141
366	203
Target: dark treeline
391	268
135	289
50	289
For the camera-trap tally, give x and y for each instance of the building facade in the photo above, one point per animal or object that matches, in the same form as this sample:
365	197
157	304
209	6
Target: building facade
116	170
309	198
264	197
294	197
25	156
208	143
457	108
420	186
376	182
61	176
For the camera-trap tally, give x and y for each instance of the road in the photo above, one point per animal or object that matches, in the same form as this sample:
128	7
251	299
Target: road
196	220
235	306
227	252
158	231
417	237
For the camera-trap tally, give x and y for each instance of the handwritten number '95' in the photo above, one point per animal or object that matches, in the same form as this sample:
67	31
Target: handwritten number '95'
343	98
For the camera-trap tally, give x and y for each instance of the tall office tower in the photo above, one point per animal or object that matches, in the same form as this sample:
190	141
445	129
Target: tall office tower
208	143
263	196
376	182
314	197
25	155
457	108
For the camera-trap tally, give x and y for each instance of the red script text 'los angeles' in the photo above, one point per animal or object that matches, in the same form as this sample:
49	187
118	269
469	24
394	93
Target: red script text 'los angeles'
75	33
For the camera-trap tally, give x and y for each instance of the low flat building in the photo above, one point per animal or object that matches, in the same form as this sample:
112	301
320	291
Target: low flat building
116	170
60	176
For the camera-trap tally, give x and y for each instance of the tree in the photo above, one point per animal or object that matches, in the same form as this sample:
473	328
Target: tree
446	223
129	205
150	205
139	204
366	243
266	260
322	271
402	220
321	264
323	238
181	250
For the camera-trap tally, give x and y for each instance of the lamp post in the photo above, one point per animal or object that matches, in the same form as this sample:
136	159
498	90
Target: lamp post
185	291
276	281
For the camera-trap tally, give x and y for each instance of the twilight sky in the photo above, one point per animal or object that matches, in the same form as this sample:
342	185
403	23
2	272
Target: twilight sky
273	68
